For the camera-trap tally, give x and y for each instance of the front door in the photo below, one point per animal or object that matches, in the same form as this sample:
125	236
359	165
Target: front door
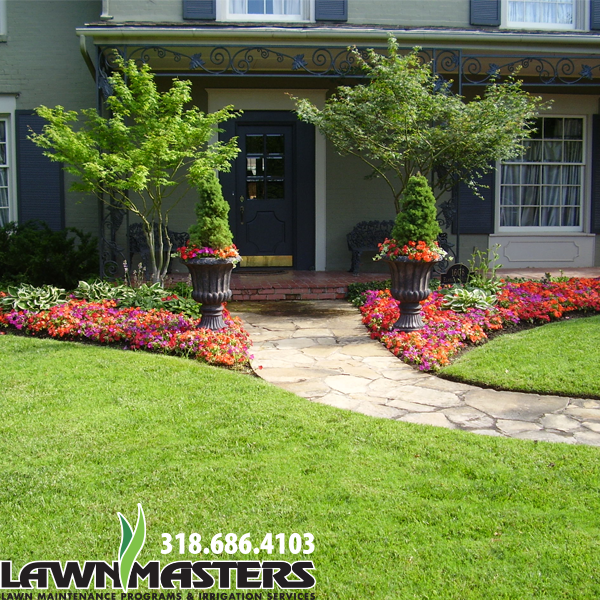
263	205
271	189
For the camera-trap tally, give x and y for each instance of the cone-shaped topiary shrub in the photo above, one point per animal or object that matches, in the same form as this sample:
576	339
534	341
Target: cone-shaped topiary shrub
212	229
417	219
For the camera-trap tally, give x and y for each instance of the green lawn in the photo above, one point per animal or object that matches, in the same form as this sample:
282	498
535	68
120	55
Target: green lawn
558	358
398	511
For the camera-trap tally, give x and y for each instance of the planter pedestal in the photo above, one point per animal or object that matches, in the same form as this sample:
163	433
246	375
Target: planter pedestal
211	278
410	286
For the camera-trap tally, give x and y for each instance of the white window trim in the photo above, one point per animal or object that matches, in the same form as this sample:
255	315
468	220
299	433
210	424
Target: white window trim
581	19
585	187
223	14
8	105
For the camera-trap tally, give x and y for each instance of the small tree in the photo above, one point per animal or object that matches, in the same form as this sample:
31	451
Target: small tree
145	156
417	219
212	229
406	121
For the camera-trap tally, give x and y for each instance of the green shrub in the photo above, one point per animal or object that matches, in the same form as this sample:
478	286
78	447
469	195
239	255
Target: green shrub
212	229
417	220
32	253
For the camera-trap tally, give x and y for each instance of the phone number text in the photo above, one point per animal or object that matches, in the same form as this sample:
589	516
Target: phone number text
229	543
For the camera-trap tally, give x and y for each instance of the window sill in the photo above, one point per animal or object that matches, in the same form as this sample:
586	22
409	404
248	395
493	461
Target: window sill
264	19
543	233
540	27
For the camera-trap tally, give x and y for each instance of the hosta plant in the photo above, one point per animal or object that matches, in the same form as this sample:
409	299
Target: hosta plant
29	297
460	299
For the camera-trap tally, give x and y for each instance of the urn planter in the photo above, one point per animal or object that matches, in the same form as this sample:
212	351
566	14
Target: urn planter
410	286
211	278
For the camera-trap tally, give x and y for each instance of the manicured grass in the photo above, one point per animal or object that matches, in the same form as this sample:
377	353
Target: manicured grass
558	358
398	511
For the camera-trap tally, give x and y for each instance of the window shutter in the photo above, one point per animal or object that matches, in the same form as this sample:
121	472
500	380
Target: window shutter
40	184
331	10
594	14
595	174
485	12
200	9
474	214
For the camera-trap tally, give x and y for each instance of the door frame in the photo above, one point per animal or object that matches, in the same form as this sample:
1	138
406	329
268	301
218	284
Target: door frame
303	180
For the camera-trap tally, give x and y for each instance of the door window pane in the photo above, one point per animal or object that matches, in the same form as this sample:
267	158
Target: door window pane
275	167
255	190
275	190
254	167
275	144
254	144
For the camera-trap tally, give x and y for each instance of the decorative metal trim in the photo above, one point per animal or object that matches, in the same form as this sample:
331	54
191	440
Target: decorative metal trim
550	70
223	60
330	62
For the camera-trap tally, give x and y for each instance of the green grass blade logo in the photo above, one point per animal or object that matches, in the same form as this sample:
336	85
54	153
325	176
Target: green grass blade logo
132	543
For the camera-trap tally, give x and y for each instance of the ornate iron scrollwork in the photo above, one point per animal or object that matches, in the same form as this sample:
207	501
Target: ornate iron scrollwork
545	70
223	60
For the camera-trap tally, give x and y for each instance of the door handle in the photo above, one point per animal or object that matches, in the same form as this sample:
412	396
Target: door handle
242	214
242	198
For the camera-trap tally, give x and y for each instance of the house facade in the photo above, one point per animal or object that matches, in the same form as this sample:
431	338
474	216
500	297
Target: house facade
293	198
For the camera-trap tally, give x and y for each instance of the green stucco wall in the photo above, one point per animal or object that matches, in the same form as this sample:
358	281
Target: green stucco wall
40	61
401	13
351	199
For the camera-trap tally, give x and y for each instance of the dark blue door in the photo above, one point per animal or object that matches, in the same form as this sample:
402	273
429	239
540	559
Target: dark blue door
264	195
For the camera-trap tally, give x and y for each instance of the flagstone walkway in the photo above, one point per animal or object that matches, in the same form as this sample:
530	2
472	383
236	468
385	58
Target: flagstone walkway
320	350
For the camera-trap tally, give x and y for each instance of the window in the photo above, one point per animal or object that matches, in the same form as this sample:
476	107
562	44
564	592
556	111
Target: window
4	174
543	14
543	188
272	10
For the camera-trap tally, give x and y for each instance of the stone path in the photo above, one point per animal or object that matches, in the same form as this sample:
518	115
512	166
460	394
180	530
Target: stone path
320	350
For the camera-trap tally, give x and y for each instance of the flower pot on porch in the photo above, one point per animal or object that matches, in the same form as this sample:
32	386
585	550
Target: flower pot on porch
410	286
211	278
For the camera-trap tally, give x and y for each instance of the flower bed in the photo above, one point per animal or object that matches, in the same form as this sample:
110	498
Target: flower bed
136	329
446	332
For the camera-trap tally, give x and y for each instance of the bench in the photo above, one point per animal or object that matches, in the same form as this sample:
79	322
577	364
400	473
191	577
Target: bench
139	245
367	235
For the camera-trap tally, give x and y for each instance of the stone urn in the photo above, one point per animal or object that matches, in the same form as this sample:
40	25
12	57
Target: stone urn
211	278
410	286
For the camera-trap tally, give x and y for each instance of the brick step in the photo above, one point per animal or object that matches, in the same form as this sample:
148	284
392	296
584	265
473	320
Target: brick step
291	293
291	285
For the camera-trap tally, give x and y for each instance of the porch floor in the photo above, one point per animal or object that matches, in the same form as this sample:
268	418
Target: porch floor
333	285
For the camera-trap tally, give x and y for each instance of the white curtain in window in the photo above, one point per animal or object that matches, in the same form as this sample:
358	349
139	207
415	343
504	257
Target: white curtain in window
267	7
559	12
238	7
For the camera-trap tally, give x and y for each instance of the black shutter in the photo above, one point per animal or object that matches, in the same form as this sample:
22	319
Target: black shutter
331	10
485	12
40	185
595	174
474	214
200	9
594	14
